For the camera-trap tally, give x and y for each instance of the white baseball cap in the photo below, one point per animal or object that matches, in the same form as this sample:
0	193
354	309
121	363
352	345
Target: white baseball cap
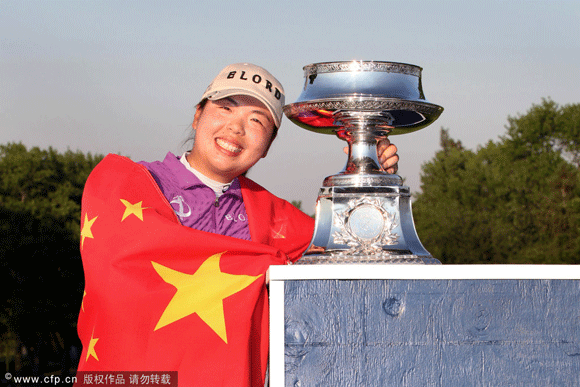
252	80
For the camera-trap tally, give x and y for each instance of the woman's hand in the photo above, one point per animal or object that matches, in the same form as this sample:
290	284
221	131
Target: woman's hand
387	154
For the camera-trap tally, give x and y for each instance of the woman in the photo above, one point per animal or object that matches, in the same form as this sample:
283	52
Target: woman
175	252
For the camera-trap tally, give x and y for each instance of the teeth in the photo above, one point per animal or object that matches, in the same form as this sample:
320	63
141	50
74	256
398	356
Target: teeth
228	146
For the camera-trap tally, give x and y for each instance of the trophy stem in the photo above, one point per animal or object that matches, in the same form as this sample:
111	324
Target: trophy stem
362	154
362	131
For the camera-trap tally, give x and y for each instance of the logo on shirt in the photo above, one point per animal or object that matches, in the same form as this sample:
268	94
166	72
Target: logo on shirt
181	211
235	219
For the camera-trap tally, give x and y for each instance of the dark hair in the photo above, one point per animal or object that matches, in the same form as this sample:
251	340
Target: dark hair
202	103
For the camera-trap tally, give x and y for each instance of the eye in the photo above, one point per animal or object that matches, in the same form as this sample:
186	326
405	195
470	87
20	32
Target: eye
258	121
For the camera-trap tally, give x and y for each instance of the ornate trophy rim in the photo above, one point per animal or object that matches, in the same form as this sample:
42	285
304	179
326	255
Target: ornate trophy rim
364	103
362	65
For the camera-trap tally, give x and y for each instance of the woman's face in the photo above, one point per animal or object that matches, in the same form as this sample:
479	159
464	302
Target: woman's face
231	135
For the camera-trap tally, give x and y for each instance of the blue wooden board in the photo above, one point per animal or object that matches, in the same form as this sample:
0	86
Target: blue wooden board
432	332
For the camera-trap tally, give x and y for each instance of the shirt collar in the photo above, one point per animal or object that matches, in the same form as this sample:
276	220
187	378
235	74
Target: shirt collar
218	187
187	179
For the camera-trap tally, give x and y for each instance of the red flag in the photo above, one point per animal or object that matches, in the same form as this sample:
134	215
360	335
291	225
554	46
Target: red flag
163	297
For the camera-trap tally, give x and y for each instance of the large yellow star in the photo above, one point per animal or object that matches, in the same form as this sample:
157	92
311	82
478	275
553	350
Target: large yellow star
86	231
91	350
133	209
202	292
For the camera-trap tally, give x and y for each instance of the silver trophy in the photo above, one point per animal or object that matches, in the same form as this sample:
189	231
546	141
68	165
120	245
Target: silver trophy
363	214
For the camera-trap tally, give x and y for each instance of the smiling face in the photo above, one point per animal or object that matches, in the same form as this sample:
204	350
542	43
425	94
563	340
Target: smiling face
231	135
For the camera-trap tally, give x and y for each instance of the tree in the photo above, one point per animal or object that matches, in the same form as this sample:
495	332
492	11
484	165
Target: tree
40	264
514	201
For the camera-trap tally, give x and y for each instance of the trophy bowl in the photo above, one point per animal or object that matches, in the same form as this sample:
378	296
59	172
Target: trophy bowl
363	214
391	91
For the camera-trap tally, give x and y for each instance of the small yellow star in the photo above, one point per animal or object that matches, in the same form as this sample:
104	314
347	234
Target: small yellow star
279	234
83	301
202	293
86	231
133	209
91	350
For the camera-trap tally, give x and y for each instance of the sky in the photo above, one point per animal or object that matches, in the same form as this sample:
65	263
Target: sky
124	76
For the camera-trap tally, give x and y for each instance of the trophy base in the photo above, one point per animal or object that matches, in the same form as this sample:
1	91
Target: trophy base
365	224
367	259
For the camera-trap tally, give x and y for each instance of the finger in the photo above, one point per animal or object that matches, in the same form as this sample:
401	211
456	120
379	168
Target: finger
382	145
391	162
387	153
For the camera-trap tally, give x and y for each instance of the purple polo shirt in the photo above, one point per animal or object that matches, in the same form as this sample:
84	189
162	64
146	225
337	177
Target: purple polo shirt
195	203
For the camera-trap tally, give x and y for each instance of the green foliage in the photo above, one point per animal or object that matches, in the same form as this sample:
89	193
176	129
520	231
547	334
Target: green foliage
44	182
514	201
297	204
40	264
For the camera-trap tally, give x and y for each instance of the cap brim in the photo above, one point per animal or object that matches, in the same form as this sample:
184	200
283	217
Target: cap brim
220	94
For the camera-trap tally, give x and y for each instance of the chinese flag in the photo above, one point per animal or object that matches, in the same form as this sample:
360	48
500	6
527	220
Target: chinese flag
160	296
